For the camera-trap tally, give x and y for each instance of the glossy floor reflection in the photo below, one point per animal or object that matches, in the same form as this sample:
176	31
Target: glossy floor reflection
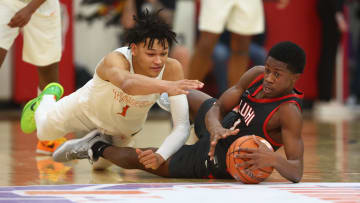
331	155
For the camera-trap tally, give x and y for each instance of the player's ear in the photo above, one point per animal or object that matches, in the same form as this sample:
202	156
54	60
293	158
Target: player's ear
296	76
133	48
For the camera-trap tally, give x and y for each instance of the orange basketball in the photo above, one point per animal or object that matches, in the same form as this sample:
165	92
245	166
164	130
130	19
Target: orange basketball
246	175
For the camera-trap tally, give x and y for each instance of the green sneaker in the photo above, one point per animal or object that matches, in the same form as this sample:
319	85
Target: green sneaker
27	122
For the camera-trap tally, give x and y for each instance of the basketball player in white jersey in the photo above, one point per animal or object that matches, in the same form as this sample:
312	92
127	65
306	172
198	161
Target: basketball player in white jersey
116	101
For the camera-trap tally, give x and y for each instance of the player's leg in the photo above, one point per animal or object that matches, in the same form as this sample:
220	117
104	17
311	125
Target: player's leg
48	74
239	57
44	51
96	145
126	157
213	16
246	19
7	34
200	62
2	55
117	141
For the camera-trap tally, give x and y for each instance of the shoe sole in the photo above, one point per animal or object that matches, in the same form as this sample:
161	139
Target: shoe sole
43	152
27	122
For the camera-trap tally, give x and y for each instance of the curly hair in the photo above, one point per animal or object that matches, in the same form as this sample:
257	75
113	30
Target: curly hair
149	25
291	54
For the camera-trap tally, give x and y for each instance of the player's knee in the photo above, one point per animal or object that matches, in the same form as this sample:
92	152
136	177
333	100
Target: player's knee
46	132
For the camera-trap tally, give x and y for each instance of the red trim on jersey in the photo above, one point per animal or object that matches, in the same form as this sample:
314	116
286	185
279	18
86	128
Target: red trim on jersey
252	98
259	77
267	120
257	90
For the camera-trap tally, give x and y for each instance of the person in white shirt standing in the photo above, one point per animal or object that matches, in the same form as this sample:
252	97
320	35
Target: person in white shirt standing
40	22
116	101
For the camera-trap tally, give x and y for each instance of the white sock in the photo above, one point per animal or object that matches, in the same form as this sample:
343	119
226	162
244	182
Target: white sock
47	102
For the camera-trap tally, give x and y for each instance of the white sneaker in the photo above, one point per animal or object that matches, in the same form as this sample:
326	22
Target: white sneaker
79	148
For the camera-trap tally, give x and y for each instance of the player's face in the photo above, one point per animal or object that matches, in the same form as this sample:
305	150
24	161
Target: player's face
278	79
147	60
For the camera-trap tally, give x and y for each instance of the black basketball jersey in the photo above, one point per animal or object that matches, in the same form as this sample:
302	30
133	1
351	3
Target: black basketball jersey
251	116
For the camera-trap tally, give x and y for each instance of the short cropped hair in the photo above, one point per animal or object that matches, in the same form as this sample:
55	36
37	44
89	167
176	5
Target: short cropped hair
291	54
149	25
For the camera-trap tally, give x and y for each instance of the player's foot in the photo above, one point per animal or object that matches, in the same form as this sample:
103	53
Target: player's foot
163	102
48	147
27	122
80	148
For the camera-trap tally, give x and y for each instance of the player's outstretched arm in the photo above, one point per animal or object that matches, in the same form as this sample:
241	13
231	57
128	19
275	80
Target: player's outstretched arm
227	101
292	167
115	68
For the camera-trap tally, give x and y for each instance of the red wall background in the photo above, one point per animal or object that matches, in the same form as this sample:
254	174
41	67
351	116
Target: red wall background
297	23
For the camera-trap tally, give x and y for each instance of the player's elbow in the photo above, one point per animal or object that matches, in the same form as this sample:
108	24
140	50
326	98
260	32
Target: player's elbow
296	179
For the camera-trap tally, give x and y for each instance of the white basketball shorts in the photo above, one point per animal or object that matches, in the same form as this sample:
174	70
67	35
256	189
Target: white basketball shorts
244	17
42	35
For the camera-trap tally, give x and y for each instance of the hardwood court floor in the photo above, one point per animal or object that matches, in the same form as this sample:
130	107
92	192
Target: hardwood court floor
331	155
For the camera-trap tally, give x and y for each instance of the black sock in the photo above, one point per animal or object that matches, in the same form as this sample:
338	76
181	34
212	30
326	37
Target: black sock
98	148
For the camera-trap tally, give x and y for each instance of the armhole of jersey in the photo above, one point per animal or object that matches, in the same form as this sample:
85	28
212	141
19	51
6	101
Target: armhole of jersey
268	118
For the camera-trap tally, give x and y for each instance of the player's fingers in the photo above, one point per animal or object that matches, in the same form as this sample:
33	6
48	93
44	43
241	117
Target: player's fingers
241	149
245	164
12	23
230	132
147	165
145	156
145	159
253	167
152	166
150	161
15	21
138	151
257	141
211	152
193	84
245	156
145	153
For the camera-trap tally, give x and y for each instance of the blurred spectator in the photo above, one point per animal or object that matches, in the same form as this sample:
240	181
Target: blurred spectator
333	24
243	19
40	22
354	27
221	55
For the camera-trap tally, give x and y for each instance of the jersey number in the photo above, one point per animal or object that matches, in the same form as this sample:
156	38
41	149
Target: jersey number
124	110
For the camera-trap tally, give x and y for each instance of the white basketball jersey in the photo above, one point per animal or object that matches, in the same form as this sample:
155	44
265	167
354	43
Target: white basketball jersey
111	109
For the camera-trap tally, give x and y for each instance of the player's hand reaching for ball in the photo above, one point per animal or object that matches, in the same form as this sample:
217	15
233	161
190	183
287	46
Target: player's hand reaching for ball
216	134
182	86
261	157
149	158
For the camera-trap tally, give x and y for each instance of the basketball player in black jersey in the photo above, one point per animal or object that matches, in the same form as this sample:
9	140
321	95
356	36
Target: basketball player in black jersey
263	102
